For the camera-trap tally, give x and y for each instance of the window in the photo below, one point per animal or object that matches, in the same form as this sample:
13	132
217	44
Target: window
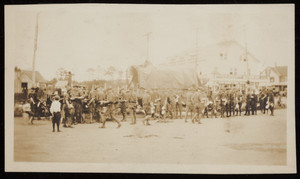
271	79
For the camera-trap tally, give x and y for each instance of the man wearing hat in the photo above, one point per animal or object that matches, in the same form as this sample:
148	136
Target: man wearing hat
123	103
55	110
189	104
109	113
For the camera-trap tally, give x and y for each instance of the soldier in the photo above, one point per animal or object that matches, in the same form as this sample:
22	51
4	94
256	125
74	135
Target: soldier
227	104
132	100
265	100
232	104
76	97
32	96
110	108
196	101
69	111
170	104
253	102
140	106
223	102
178	101
239	103
271	102
88	108
100	96
213	103
248	104
146	102
123	104
162	108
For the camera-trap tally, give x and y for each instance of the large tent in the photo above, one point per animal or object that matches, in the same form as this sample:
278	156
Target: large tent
149	76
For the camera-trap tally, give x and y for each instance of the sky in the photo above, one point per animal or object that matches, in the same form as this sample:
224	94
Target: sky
79	37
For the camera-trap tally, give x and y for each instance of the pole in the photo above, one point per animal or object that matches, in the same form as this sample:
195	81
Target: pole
148	34
34	50
196	62
246	53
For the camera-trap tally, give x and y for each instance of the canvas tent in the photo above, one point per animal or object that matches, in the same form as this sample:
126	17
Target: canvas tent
149	76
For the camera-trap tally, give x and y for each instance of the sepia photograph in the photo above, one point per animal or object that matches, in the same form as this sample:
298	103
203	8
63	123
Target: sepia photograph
128	88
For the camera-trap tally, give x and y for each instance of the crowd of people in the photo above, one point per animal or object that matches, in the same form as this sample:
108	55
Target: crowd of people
79	105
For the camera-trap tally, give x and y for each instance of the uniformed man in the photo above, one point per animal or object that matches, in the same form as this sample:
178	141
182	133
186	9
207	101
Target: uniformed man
232	104
223	102
271	102
265	100
123	104
32	96
146	102
88	107
189	104
178	101
69	111
99	96
77	97
170	104
133	103
239	102
253	102
163	104
248	104
110	108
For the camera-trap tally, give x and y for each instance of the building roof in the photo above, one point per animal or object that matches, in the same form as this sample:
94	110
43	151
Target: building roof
38	76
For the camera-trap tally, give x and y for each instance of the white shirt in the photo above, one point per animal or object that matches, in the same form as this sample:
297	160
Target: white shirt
55	107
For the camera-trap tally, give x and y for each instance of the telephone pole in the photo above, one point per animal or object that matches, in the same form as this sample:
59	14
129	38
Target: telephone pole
35	49
246	53
148	34
196	61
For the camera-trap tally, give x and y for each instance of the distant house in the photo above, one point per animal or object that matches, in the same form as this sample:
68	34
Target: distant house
23	80
227	63
277	77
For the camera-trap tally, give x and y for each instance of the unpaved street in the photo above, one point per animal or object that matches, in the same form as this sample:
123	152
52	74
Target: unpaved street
253	140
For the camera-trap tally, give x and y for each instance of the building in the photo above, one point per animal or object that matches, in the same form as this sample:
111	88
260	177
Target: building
227	63
276	77
23	80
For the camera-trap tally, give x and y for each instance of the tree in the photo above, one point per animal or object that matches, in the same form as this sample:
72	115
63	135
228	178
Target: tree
62	74
120	74
110	72
54	81
91	72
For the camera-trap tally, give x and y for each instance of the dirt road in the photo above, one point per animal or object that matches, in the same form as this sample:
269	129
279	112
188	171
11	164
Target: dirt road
250	140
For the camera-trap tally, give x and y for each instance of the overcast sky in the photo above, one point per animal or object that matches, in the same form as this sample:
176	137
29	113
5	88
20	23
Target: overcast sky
78	37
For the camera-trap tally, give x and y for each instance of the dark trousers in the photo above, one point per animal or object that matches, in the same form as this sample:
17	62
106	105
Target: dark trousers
247	109
78	111
178	110
56	120
123	110
272	109
240	108
228	109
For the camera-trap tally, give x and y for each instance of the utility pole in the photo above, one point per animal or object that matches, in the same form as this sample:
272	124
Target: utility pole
148	34
246	53
35	49
196	61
